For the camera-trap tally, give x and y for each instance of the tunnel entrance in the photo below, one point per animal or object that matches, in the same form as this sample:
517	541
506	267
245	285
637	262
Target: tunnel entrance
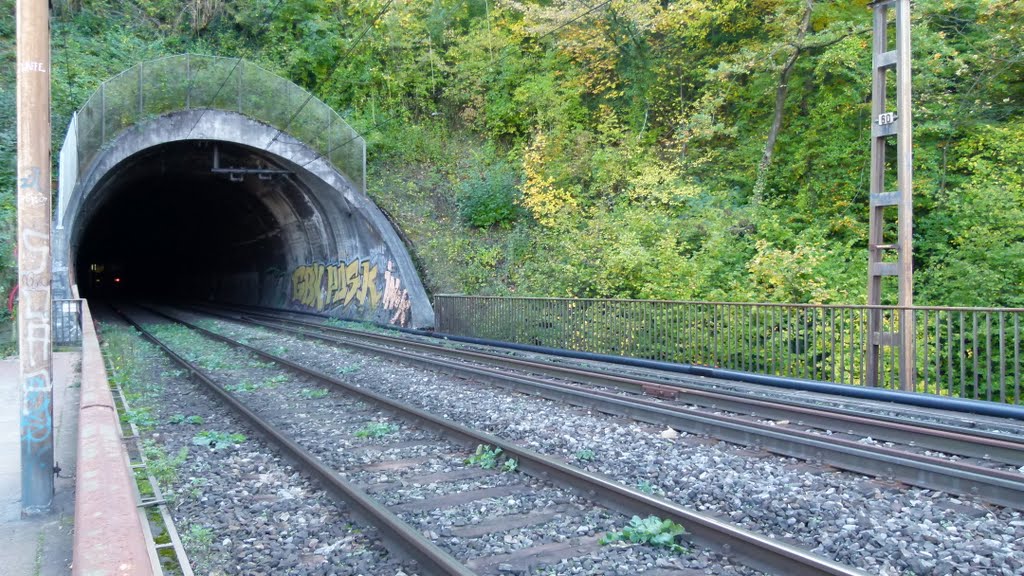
166	225
213	205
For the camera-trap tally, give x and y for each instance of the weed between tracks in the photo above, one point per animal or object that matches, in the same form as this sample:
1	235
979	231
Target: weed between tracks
214	439
376	430
130	361
652	531
585	455
313	393
351	325
209	355
182	419
489	457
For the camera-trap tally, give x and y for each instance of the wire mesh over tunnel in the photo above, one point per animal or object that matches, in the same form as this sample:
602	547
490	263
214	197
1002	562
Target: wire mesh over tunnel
168	189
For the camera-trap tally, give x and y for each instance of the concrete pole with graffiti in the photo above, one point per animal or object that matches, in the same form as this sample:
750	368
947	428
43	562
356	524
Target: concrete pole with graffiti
34	298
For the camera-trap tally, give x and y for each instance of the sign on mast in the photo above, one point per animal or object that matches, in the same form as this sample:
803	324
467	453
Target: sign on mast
891	257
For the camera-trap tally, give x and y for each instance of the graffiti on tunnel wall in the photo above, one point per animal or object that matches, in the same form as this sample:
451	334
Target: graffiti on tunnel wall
323	286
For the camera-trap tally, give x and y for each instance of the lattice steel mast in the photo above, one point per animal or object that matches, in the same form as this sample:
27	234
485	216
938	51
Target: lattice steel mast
893	257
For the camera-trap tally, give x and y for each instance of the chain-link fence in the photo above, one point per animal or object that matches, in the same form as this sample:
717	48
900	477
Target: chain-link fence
191	81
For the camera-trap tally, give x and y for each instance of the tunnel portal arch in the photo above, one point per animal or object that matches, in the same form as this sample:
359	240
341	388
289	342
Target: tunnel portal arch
210	203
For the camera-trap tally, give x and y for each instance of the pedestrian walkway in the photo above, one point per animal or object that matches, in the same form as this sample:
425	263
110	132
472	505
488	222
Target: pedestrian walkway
41	545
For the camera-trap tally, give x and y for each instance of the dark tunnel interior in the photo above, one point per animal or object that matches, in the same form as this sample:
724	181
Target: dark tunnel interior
165	225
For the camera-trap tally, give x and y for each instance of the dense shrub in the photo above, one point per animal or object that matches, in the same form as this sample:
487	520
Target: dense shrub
490	198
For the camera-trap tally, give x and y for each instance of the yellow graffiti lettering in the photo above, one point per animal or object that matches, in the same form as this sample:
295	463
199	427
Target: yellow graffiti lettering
369	286
335	290
321	299
351	281
319	286
307	283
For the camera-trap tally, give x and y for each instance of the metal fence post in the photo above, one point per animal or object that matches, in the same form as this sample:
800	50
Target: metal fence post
188	81
142	108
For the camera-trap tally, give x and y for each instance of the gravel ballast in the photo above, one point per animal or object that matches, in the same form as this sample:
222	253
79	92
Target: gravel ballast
881	528
239	508
327	426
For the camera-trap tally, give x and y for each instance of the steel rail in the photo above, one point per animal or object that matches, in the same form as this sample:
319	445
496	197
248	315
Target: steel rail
928	435
995	486
402	538
755	550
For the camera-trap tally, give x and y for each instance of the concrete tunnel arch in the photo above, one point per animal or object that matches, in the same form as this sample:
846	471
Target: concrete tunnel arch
215	205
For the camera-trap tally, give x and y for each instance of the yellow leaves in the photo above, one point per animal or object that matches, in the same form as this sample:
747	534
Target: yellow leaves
540	196
657	182
596	56
789	275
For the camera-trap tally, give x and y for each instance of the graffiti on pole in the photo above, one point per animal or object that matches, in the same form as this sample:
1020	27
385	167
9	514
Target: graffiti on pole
36	413
34	321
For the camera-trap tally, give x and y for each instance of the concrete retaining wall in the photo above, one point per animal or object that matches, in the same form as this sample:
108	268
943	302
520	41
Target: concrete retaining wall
109	538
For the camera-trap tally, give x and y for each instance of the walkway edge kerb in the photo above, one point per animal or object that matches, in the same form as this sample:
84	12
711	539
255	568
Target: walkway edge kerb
109	539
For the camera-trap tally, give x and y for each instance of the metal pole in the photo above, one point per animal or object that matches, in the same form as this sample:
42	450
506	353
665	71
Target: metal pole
905	171
34	301
887	124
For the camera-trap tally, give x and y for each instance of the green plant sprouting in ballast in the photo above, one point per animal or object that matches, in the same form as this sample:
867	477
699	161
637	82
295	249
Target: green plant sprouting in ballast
214	439
182	419
376	430
313	393
652	531
585	455
489	457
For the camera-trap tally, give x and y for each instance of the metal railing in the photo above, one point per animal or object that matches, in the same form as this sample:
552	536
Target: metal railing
192	81
67	322
970	353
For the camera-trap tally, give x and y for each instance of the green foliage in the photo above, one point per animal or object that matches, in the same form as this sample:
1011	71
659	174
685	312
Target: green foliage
162	466
376	430
485	457
141	417
489	458
195	420
646	487
197	539
652	531
488	197
585	455
348	369
215	439
247	385
243	386
313	393
208	354
540	149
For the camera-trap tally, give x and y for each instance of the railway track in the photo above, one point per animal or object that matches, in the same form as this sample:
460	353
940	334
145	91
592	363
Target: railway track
433	450
935	453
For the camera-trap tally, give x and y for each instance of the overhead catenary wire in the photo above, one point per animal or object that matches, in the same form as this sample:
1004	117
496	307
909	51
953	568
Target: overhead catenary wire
391	119
331	72
238	62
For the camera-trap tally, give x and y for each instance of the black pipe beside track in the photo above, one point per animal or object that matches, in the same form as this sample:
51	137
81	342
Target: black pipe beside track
922	400
996	486
928	435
